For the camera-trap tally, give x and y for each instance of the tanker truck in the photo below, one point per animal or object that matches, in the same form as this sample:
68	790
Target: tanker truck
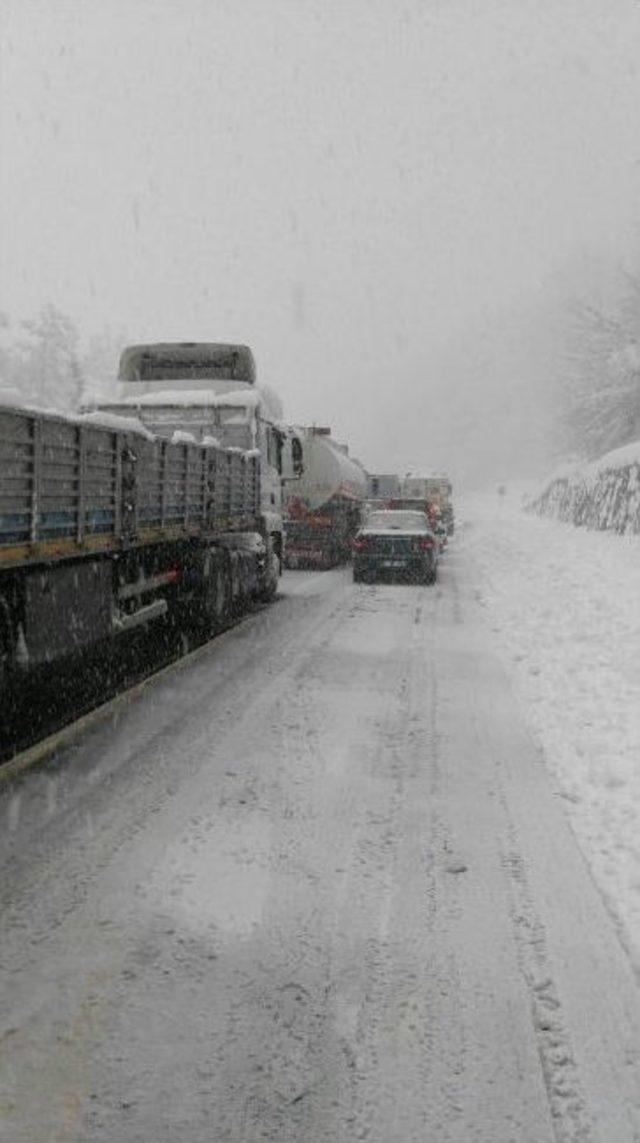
323	507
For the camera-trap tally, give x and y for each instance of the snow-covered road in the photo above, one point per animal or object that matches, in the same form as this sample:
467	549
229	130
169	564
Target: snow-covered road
563	606
315	887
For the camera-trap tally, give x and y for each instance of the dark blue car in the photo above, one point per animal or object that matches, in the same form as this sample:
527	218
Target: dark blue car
397	545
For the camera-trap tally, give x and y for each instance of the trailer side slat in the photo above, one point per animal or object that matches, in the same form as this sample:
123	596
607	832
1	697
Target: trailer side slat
67	487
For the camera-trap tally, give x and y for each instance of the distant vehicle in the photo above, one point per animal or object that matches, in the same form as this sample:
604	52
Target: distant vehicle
382	485
416	504
435	492
323	508
398	544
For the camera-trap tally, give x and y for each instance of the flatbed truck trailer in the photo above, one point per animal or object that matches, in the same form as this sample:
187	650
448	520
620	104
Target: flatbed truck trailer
105	527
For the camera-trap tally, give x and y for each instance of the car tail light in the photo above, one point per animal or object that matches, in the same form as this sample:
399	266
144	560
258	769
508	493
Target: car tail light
427	542
360	544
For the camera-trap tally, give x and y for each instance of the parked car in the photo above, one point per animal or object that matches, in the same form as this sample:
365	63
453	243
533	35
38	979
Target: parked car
398	544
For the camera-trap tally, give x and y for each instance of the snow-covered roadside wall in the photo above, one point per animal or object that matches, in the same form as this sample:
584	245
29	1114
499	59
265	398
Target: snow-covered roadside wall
603	495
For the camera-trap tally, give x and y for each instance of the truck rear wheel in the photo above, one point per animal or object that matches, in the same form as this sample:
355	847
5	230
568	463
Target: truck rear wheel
222	599
272	570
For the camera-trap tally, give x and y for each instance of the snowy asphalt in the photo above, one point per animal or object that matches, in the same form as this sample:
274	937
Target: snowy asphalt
315	888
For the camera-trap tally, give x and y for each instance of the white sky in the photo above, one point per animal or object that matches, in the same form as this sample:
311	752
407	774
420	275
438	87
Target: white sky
356	188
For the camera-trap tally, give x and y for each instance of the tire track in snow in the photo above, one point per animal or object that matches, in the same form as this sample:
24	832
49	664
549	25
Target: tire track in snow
562	1080
356	981
586	1034
358	993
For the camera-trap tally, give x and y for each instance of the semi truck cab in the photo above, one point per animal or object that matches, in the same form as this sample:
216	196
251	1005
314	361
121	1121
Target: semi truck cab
208	390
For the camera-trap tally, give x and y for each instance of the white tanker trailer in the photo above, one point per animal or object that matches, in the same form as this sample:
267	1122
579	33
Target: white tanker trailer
324	507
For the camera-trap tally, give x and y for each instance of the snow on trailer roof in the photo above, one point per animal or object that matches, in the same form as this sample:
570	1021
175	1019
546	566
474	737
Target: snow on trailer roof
181	398
97	418
255	398
115	421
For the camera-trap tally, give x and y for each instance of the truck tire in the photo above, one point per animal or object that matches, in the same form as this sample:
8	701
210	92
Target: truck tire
222	601
272	570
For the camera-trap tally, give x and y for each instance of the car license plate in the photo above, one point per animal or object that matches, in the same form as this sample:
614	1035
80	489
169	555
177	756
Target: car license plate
393	563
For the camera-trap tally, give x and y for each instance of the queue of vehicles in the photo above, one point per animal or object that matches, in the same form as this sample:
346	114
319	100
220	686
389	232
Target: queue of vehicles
179	502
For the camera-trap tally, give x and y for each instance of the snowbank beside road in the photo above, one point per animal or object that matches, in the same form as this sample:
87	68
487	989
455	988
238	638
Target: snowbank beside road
603	495
565	604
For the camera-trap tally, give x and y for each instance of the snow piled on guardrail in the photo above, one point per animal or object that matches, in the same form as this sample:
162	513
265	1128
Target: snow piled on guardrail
604	494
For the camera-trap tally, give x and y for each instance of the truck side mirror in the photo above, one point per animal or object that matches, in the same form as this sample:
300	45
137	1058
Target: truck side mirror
292	457
296	456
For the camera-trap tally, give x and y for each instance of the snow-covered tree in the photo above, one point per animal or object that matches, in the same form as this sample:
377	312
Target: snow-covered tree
43	363
601	371
100	363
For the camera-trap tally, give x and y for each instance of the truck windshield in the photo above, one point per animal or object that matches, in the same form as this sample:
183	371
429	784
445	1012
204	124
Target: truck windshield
187	361
161	369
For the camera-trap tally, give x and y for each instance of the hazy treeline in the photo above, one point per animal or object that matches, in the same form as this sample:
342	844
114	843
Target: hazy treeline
44	362
518	393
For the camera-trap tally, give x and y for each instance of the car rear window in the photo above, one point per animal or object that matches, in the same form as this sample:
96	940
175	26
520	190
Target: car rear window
397	522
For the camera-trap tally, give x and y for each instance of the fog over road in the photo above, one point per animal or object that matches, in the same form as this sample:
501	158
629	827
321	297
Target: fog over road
313	887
